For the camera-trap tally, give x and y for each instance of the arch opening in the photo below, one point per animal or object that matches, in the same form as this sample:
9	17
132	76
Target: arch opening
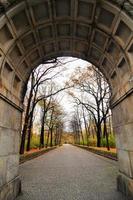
32	32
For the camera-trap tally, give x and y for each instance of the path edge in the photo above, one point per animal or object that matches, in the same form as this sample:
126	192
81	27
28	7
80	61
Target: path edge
98	152
30	156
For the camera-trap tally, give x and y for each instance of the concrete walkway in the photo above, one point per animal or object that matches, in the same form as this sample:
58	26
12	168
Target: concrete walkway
69	173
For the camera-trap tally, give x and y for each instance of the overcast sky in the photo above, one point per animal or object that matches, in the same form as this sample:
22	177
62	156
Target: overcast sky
66	101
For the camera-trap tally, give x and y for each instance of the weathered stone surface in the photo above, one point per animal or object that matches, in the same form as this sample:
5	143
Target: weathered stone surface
10	190
72	23
125	185
9	141
10	117
12	167
10	122
131	160
122	114
124	163
33	31
3	170
124	136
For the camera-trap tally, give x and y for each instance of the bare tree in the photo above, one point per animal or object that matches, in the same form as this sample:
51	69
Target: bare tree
54	123
45	106
92	83
75	129
39	77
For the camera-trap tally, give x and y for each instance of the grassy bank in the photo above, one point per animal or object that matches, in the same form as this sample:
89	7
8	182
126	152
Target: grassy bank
92	141
112	154
34	153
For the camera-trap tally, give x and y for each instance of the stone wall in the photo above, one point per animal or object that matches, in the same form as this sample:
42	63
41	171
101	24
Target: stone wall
33	31
10	121
123	127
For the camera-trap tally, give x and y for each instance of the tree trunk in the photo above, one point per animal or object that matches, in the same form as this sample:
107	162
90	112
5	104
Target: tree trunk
99	135
42	128
51	137
60	136
26	121
106	134
29	131
22	145
24	130
47	140
56	136
98	126
30	125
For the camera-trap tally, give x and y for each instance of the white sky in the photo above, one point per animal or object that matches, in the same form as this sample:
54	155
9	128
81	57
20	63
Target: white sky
66	101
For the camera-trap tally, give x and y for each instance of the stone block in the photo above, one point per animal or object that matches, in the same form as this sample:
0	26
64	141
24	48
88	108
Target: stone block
7	192
10	190
126	107
3	163
124	163
12	167
9	141
131	160
9	116
17	142
122	112
125	185
17	187
124	136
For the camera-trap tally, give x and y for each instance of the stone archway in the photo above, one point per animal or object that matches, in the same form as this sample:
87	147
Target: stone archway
31	31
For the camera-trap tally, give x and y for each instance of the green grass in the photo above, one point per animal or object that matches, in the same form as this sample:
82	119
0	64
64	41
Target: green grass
112	143
93	141
35	142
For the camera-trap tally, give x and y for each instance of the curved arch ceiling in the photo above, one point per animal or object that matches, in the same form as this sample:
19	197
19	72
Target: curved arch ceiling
36	30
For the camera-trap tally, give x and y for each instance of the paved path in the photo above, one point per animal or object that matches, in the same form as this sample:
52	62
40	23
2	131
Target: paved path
69	173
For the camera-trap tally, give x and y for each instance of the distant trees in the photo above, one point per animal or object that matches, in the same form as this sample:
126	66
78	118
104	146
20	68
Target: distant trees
94	98
40	90
75	129
54	123
91	95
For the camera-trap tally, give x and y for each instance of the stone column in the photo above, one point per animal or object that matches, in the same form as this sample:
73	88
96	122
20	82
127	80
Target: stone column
123	127
10	124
